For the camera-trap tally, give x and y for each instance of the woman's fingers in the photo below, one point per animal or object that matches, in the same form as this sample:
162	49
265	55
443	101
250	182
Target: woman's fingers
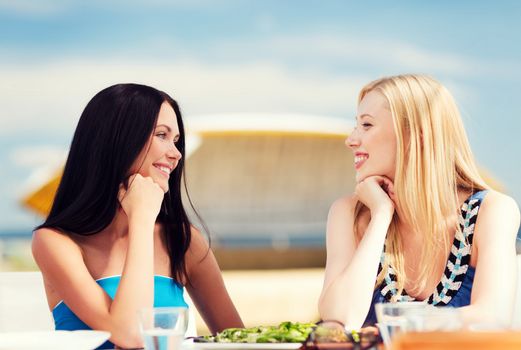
142	195
388	187
376	192
125	186
385	183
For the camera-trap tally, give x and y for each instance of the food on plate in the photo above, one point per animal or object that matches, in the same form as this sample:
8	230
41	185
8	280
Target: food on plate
295	332
286	332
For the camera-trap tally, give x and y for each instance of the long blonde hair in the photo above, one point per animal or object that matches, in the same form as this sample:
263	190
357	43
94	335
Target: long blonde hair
433	163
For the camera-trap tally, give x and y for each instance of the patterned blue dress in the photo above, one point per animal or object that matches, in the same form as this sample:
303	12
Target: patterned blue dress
455	286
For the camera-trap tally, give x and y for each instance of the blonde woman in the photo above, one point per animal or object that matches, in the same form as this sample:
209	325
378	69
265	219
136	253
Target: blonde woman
422	224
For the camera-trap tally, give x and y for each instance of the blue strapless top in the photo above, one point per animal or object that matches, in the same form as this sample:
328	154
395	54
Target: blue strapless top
167	292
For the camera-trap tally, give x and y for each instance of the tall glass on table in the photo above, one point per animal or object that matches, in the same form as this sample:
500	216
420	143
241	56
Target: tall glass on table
163	328
392	318
402	317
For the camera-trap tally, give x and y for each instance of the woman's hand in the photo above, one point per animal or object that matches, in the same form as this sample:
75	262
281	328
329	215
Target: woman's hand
143	197
377	194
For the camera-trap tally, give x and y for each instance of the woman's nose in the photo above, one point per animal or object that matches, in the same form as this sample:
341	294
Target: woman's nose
174	153
352	140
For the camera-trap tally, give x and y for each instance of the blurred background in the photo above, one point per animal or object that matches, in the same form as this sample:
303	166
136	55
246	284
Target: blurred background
268	90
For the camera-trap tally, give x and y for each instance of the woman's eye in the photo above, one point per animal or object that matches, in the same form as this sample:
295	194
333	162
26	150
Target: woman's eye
367	125
161	135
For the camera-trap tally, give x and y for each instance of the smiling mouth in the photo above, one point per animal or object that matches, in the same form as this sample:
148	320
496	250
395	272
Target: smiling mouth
359	160
163	169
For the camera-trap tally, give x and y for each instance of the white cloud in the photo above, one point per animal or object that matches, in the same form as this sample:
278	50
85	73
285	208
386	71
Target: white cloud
305	78
31	156
51	97
328	47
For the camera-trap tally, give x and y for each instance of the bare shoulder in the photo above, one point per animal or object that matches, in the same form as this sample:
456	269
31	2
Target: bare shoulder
340	221
500	204
498	198
342	214
197	241
59	257
344	206
47	241
199	248
498	214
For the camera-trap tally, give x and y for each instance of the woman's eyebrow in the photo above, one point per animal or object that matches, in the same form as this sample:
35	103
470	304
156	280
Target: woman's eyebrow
166	126
364	115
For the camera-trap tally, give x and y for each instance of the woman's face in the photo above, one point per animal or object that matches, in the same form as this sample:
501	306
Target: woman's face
160	155
373	141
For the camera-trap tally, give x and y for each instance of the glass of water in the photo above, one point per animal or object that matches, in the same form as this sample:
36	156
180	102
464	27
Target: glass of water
395	318
163	328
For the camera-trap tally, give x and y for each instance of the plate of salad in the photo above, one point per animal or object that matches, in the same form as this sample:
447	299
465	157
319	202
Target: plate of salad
285	336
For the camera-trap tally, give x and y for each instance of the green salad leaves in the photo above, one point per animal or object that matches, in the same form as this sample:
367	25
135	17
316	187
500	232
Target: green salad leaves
286	332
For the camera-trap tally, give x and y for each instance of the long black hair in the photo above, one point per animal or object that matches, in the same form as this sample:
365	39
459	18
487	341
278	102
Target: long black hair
114	128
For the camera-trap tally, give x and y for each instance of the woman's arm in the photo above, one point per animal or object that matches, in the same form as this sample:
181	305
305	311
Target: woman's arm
61	261
206	287
493	291
350	269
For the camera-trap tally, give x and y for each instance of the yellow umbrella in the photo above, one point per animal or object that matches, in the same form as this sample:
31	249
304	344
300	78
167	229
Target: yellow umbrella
40	200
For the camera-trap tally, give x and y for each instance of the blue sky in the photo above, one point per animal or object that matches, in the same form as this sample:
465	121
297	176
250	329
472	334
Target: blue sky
248	56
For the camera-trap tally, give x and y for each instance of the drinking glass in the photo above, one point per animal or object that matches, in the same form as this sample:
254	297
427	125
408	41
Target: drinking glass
395	318
392	318
163	328
433	318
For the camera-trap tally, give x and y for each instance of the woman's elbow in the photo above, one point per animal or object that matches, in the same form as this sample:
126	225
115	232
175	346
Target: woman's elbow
124	334
127	340
350	317
503	319
330	312
487	315
324	309
350	321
